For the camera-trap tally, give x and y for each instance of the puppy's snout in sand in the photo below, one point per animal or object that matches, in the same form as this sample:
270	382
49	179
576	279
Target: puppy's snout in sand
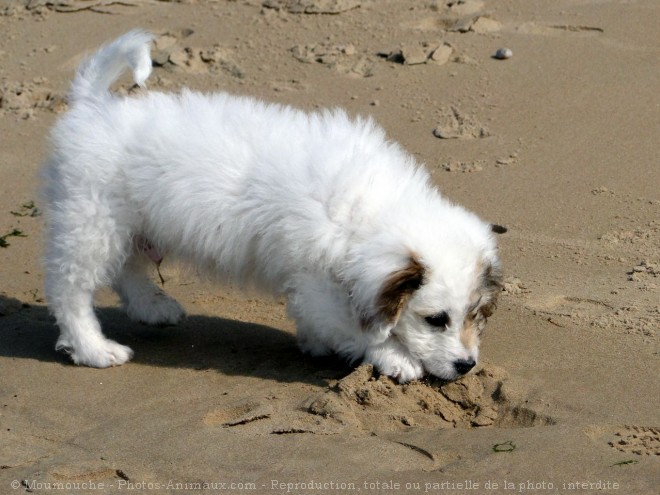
463	366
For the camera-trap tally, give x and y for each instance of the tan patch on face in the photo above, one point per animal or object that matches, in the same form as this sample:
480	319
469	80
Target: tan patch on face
469	334
398	287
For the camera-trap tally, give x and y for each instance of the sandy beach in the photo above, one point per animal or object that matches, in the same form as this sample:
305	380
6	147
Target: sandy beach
558	142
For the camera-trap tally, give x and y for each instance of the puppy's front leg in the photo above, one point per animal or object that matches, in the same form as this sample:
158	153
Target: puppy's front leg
393	359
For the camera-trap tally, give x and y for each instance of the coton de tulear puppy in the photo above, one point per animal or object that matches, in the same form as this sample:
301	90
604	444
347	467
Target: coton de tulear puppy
319	207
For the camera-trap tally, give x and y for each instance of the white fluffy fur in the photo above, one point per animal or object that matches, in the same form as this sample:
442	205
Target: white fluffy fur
318	207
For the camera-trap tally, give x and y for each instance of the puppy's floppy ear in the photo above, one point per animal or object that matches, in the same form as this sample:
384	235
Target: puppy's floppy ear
491	286
394	293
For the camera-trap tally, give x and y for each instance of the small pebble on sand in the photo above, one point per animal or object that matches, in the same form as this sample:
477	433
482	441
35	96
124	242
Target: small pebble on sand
503	53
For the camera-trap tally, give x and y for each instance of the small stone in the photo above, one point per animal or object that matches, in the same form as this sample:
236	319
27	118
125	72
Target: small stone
413	55
165	41
503	54
448	132
160	57
442	54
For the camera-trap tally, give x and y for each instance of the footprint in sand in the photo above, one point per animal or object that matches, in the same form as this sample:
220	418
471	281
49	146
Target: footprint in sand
26	98
456	124
596	313
640	440
575	308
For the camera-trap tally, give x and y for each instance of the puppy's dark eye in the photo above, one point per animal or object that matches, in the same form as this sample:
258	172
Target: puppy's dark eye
440	321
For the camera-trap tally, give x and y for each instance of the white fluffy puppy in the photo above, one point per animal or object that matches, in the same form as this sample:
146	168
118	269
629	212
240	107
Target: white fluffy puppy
319	207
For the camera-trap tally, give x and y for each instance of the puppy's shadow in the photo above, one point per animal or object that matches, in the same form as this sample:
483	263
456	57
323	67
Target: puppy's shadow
231	347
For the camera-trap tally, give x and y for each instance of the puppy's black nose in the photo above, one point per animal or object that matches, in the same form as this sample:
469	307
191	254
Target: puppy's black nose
463	366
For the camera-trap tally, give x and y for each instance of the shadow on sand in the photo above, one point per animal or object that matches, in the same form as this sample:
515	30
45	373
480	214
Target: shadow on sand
230	347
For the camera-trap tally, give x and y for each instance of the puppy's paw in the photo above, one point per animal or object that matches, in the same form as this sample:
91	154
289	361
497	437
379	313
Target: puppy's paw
155	308
404	370
100	354
394	362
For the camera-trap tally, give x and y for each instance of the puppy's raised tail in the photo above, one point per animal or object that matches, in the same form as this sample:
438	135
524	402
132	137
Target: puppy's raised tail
95	75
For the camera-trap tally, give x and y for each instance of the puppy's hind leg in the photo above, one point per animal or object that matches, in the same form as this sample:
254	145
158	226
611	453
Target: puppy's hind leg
81	255
143	300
